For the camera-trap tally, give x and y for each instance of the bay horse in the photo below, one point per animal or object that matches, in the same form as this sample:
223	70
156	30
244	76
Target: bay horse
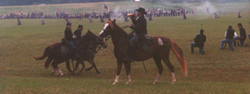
159	51
89	41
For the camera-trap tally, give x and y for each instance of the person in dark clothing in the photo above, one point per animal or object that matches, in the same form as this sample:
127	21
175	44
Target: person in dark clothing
67	20
42	21
239	16
68	35
199	42
77	35
140	28
18	21
242	36
102	21
229	38
150	16
184	16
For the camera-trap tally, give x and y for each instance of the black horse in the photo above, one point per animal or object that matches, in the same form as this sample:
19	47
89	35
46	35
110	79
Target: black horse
87	49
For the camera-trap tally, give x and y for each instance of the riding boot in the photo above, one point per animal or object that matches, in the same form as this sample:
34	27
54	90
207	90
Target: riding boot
130	54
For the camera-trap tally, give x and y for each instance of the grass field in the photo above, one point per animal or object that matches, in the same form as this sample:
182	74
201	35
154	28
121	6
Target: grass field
216	72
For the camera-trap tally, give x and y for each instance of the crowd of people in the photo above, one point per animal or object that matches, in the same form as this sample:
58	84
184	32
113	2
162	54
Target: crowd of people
95	15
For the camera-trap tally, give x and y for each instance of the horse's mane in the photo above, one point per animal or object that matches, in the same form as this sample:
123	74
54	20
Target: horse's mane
88	35
116	26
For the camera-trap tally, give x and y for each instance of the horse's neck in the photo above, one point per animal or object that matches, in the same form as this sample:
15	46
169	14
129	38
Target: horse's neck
92	45
119	37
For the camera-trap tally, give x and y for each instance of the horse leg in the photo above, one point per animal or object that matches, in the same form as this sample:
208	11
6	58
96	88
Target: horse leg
90	61
60	72
87	69
171	67
56	69
76	67
93	65
128	71
83	66
68	67
119	67
157	60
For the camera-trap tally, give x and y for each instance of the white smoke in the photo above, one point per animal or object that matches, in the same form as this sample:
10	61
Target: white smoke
206	6
206	9
117	12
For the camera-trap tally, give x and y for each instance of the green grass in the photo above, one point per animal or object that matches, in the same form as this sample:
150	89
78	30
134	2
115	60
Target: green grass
216	72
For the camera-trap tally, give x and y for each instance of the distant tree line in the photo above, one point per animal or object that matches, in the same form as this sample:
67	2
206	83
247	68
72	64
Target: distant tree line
36	2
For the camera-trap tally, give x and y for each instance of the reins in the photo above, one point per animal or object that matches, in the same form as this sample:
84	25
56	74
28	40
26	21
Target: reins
106	39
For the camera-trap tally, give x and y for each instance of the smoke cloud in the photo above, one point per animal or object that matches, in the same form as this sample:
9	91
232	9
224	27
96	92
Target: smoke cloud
206	9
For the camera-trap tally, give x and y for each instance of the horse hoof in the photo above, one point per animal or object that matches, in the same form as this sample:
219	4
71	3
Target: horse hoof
128	83
155	82
173	82
114	83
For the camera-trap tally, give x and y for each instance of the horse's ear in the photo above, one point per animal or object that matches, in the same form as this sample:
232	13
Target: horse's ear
109	19
89	31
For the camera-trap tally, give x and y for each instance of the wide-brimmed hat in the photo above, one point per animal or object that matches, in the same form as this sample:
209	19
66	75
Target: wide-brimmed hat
79	26
141	10
239	24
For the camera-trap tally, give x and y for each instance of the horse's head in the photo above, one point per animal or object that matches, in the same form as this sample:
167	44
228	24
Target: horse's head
108	29
97	39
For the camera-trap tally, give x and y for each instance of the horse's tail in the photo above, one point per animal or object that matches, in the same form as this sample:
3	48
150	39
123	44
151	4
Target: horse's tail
179	54
45	54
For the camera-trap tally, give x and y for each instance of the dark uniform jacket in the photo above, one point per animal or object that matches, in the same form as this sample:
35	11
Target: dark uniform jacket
140	25
199	40
68	34
242	34
230	34
78	34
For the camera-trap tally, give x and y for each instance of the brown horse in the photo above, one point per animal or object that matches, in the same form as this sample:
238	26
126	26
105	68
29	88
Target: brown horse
87	50
159	51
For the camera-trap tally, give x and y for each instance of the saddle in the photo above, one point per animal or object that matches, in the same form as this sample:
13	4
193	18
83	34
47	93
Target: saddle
143	42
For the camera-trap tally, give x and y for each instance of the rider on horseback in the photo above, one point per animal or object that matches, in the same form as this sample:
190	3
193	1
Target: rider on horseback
68	35
140	27
77	35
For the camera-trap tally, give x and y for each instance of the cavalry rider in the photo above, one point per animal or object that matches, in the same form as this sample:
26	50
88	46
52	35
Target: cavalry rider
140	27
77	35
68	35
